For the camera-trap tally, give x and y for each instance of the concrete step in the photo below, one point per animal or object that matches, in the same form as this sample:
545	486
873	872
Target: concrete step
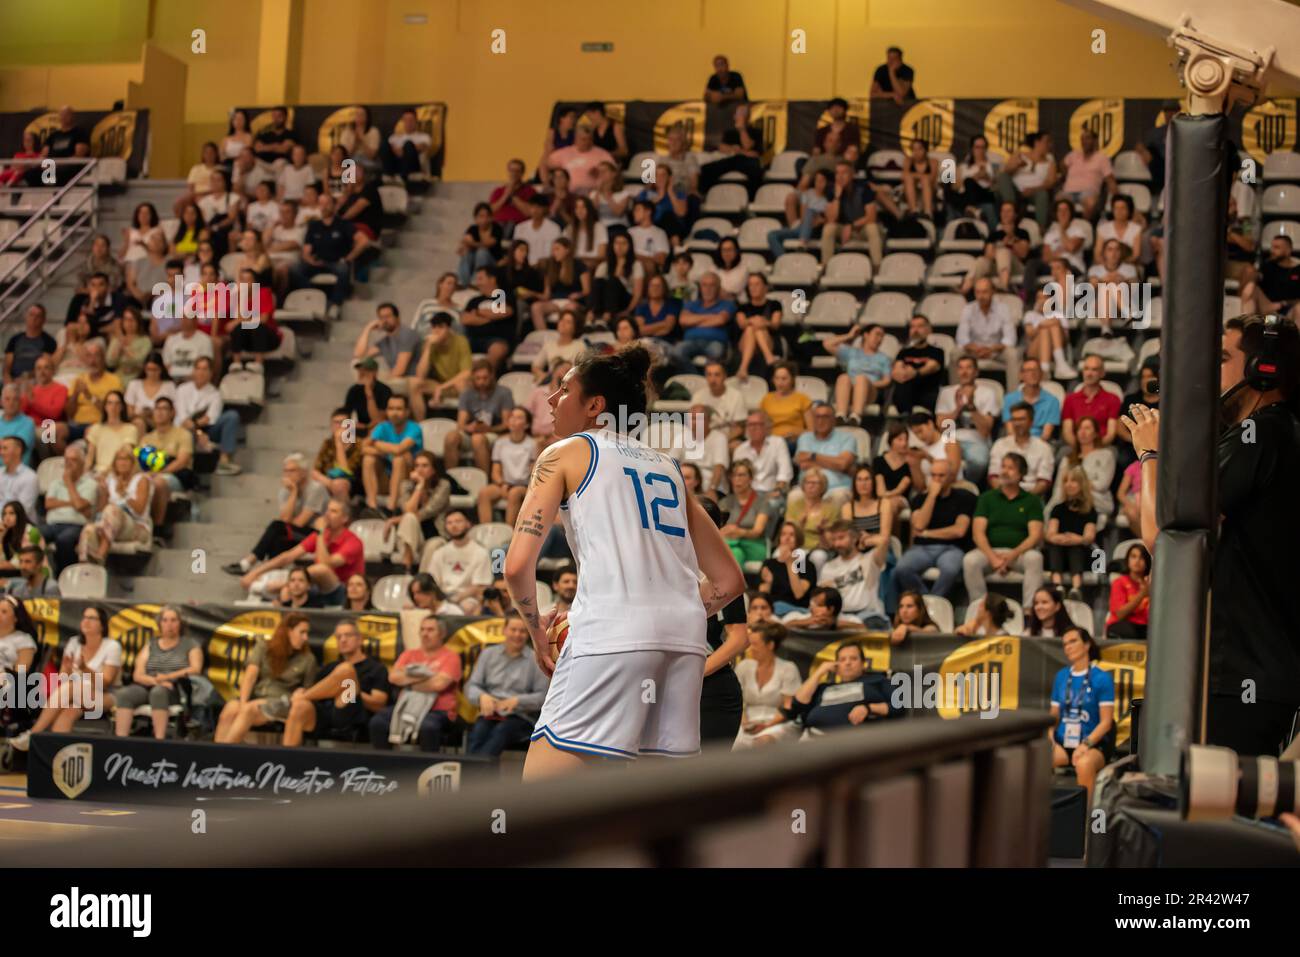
247	487
216	587
219	539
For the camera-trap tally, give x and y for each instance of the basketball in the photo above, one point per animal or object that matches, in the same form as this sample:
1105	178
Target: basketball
558	634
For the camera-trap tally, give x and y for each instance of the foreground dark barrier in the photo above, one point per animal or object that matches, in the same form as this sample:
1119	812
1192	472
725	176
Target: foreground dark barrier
904	793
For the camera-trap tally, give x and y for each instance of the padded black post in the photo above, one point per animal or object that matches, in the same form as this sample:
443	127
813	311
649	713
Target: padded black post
1187	512
1176	657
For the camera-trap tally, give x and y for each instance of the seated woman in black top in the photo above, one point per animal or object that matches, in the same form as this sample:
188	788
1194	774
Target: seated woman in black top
1071	531
788	576
893	474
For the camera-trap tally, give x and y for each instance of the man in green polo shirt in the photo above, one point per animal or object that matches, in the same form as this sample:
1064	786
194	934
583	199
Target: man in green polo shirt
1008	529
442	367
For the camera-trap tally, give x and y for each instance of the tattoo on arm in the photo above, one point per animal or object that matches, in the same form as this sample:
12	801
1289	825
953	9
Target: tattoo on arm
543	470
531	525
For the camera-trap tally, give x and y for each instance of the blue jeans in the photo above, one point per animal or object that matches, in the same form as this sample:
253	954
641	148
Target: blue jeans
493	737
301	273
472	261
921	558
429	736
685	351
225	431
65	538
783	608
777	237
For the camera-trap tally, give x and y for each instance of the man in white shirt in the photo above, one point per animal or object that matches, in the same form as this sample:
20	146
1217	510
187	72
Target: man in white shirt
726	401
199	408
295	176
17	481
408	147
1030	177
972	408
462	568
1039	455
769	455
248	172
856	575
539	232
649	242
184	347
706	448
986	331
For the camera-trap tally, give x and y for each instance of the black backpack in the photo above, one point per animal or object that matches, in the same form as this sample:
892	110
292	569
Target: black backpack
909	227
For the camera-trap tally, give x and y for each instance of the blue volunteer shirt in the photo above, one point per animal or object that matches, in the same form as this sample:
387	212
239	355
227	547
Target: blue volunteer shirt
1047	410
1080	697
715	333
384	432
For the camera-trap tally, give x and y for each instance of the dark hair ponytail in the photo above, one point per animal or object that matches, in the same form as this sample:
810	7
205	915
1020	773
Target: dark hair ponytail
619	378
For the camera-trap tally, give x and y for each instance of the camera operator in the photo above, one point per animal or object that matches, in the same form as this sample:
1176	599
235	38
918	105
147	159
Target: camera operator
1254	666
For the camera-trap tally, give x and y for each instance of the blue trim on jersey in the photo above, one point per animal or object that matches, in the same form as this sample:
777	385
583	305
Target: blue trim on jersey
670	754
591	467
578	747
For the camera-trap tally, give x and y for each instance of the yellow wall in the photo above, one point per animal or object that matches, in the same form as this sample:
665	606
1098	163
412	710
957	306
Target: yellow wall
93	86
499	103
362	51
45	32
223	77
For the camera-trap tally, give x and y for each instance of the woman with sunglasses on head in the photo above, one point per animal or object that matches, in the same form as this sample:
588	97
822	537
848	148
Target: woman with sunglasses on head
88	676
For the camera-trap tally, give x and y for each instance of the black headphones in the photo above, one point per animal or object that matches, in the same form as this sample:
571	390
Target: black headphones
1262	373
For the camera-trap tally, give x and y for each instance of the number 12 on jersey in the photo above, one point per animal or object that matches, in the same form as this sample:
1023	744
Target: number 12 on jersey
671	501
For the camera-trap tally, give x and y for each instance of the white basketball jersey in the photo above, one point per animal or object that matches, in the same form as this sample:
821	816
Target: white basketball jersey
638	578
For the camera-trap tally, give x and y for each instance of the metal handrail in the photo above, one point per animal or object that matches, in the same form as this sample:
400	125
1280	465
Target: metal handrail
67	220
653	805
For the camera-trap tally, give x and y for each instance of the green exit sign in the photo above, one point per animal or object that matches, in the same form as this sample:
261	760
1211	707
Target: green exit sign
598	48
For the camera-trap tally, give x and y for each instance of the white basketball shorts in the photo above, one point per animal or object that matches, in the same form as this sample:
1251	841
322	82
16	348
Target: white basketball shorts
624	704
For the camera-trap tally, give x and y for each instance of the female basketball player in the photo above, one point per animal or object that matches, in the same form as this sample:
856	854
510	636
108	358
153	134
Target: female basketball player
628	679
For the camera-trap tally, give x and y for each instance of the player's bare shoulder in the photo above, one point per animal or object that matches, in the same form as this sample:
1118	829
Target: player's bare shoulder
565	460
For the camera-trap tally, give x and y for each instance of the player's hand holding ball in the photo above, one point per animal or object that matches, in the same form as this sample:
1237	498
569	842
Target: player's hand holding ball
555	631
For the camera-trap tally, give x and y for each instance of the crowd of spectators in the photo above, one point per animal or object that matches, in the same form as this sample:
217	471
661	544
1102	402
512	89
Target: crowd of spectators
864	482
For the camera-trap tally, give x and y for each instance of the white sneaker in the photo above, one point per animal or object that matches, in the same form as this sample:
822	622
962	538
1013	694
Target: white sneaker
1066	371
21	742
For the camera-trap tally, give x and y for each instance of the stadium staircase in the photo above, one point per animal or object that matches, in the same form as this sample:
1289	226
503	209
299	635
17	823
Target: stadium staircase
232	514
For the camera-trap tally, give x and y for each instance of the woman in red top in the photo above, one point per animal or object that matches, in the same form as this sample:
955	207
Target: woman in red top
1130	601
11	174
250	344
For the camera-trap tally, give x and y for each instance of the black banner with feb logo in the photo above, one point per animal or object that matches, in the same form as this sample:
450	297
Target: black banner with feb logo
145	771
122	134
946	124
